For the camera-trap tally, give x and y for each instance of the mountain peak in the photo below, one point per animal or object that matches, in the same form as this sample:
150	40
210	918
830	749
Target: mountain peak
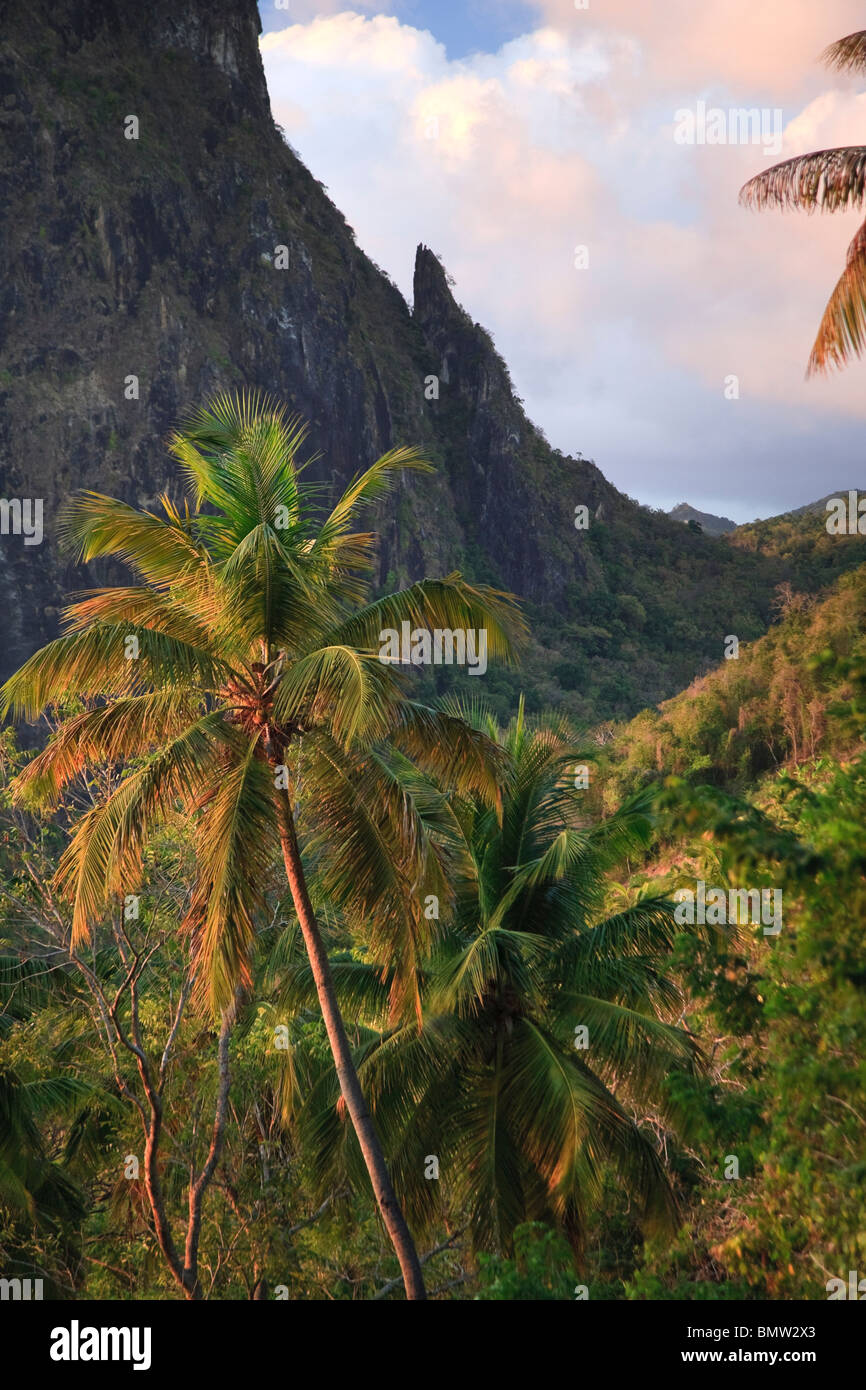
713	525
433	302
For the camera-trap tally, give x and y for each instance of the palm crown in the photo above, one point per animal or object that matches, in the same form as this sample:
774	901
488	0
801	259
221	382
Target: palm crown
524	1118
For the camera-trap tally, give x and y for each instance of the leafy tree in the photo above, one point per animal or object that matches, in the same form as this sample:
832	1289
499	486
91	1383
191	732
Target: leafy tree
238	678
540	1269
41	1205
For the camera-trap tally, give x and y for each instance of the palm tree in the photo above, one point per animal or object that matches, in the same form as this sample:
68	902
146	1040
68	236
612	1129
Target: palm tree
41	1205
828	180
239	672
523	1109
30	1183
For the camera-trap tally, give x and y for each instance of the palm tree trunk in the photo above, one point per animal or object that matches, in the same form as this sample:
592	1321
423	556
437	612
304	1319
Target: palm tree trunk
350	1085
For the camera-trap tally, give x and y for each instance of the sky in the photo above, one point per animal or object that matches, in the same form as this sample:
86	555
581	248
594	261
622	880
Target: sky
577	168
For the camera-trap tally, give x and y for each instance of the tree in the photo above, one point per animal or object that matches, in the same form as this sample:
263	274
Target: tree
41	1205
240	671
543	1017
828	180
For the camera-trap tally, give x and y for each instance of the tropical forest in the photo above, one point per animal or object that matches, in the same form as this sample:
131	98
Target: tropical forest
426	872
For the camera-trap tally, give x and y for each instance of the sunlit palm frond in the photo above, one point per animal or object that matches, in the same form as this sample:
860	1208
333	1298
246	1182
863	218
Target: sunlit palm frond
123	729
104	856
338	687
239	453
447	748
100	662
848	54
842	333
368	487
268	595
161	549
136	606
362	867
236	844
449	604
826	180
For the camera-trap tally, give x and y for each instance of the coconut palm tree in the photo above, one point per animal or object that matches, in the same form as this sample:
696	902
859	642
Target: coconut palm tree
30	1183
544	1019
240	671
828	180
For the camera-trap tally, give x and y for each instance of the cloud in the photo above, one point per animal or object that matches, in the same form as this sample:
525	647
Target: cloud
506	162
768	46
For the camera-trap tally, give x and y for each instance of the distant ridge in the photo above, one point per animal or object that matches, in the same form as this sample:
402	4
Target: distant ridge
713	525
819	507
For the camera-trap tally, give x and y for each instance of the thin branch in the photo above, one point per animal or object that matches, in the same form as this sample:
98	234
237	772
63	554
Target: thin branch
395	1283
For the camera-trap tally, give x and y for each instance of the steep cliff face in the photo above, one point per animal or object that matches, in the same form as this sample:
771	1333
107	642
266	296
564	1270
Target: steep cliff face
158	258
515	496
142	274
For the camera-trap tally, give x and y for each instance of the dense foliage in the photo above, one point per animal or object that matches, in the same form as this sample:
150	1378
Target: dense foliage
576	1088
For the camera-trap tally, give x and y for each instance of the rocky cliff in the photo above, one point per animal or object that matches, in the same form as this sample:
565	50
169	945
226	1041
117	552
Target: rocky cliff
162	241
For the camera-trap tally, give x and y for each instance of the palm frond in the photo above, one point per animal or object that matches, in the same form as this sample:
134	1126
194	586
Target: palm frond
94	663
493	962
449	604
842	333
156	610
239	454
627	1043
372	485
450	750
848	54
161	549
123	729
236	843
574	1124
345	690
362	868
490	1171
827	180
363	991
105	853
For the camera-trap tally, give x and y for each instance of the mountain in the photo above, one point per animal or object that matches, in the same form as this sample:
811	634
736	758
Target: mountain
818	508
162	242
789	697
799	542
713	525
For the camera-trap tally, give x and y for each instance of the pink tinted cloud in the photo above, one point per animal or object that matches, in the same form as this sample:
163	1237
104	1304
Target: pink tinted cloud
747	45
566	136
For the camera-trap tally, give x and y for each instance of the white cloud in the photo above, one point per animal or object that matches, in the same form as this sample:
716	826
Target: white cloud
505	162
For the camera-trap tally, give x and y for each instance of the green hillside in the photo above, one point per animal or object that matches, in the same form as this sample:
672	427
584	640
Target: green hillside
782	702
